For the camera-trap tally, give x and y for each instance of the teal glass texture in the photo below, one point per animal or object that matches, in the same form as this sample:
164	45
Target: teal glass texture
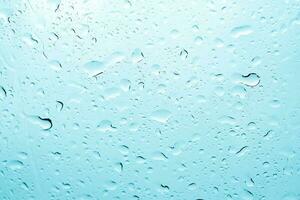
149	100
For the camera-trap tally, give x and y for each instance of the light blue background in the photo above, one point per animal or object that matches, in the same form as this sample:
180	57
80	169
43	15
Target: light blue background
149	99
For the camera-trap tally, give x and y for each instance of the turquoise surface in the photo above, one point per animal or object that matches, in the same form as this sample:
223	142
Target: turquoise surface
149	100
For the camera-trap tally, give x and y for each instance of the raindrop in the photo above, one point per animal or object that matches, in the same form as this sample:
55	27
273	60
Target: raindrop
55	65
242	151
184	54
15	165
59	105
106	126
125	85
137	56
3	92
44	123
94	67
198	40
241	31
159	156
250	80
192	186
161	115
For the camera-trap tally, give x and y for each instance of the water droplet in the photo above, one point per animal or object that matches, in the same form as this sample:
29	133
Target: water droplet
111	185
115	58
125	85
106	126
164	188
111	93
251	80
219	91
118	167
183	54
3	92
192	186
59	105
161	115
55	65
227	120
275	103
174	34
44	123
137	56
241	31
198	40
94	68
54	4
15	165
242	151
140	159
239	91
30	41
219	43
159	156
124	149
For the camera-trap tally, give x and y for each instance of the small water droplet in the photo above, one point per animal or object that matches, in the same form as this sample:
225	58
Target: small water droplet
192	186
250	80
15	165
161	115
159	156
94	67
241	31
198	40
137	56
59	105
184	54
111	93
44	123
242	151
55	65
106	126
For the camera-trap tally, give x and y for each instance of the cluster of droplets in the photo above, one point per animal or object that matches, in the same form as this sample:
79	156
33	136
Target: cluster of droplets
149	100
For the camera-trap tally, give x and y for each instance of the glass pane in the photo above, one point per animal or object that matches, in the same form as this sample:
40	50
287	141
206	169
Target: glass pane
149	99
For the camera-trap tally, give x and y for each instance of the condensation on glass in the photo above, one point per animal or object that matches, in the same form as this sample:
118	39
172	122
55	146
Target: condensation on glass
149	99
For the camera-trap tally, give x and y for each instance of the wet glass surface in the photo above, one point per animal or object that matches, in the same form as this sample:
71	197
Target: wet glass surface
136	99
